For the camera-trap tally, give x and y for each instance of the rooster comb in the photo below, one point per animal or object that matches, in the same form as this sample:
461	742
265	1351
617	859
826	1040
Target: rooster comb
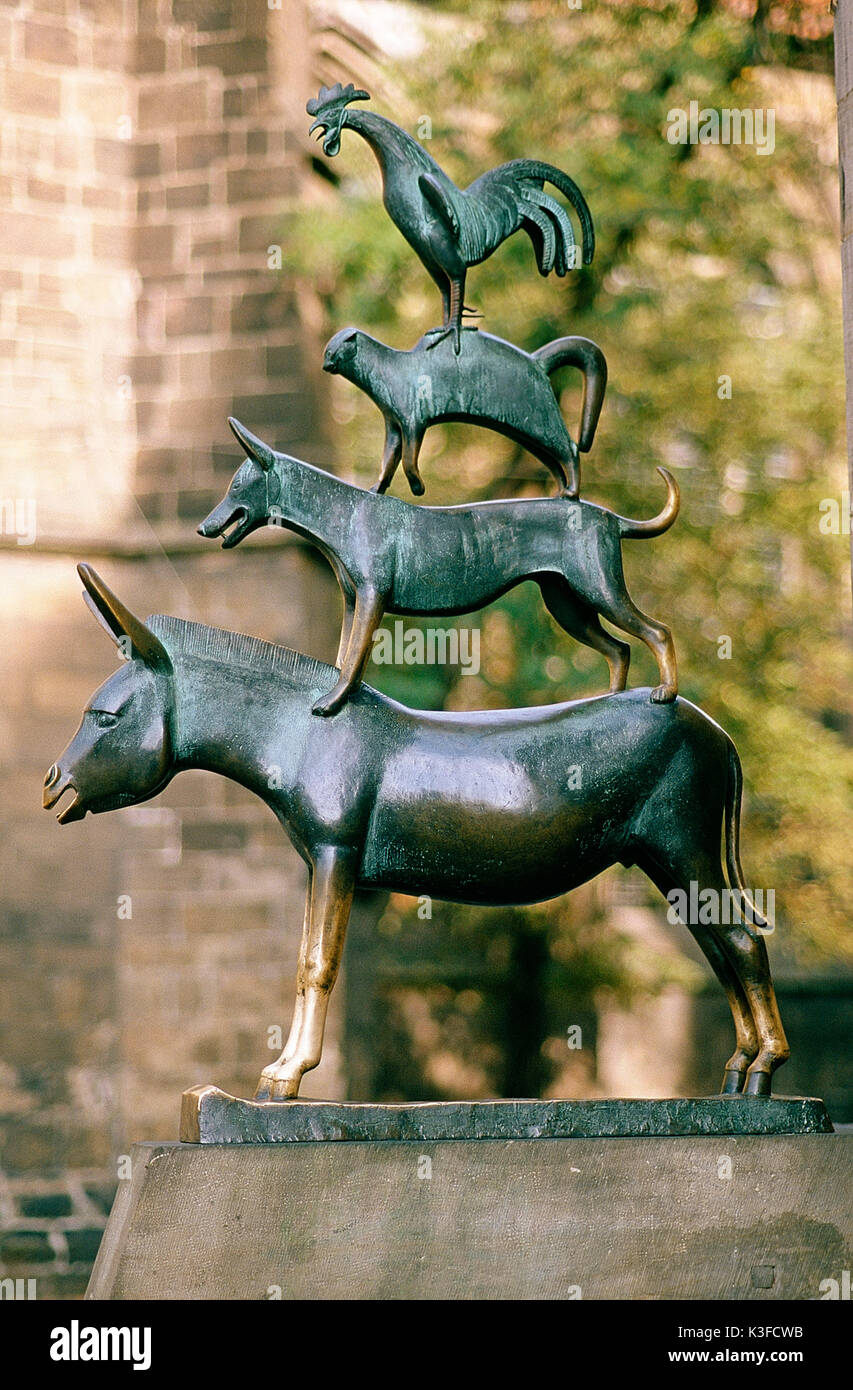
335	96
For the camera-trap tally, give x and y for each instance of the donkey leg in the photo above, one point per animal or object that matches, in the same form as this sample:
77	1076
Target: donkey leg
369	608
581	622
268	1074
747	955
330	900
706	937
746	1034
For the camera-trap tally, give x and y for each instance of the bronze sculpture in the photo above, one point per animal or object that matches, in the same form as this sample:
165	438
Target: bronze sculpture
477	807
452	228
489	383
391	556
492	807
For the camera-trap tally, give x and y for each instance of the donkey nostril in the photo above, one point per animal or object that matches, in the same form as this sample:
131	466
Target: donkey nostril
52	776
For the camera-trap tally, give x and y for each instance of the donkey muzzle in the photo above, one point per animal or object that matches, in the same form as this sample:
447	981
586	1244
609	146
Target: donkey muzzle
56	783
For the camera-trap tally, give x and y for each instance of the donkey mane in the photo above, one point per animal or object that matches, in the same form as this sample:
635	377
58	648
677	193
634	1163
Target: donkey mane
183	638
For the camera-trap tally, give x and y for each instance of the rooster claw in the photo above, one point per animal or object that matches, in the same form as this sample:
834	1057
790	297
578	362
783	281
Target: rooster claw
438	335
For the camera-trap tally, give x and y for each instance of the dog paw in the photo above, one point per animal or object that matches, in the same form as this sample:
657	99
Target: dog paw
664	694
328	705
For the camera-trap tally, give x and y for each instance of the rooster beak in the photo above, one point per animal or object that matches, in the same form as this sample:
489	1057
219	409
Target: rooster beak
317	125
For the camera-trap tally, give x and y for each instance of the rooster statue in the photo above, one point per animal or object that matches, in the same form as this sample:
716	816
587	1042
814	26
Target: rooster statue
452	228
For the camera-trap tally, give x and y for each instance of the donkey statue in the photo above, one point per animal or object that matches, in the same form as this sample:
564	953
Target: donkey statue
482	807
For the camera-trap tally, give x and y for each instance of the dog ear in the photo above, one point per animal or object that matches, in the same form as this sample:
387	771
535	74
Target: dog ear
119	623
255	448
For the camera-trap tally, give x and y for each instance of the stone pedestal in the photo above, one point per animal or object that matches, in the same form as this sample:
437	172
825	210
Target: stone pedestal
720	1216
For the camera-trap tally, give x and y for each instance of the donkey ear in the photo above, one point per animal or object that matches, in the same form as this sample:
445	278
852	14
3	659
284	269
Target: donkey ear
255	448
119	622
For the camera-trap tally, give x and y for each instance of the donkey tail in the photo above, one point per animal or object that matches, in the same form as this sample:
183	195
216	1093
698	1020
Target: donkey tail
637	530
587	355
734	792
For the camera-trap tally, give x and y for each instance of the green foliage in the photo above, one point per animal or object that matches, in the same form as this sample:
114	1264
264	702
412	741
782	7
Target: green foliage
713	262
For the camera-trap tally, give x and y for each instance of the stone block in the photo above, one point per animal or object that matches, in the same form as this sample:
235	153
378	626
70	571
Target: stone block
30	93
50	43
165	103
458	1219
235	57
200	149
261	185
188	195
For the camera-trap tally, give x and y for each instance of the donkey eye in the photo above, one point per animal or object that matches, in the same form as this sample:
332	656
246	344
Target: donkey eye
103	719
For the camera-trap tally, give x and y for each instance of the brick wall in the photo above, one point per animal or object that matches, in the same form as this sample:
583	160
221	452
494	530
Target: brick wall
146	166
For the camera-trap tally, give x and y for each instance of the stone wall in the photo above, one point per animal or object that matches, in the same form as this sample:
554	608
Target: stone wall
147	164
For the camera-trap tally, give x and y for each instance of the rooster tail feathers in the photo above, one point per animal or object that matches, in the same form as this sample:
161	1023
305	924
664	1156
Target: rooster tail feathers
540	229
539	173
564	240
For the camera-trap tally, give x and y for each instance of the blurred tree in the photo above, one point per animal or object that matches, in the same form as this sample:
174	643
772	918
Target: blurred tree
715	294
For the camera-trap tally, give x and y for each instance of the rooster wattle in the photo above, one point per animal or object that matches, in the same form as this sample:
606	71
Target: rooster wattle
452	228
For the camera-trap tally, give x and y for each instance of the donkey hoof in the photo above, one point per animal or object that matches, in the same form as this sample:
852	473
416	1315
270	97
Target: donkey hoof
732	1083
758	1083
271	1088
664	694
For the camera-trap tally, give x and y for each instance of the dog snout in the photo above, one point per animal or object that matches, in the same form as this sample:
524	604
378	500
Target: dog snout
212	524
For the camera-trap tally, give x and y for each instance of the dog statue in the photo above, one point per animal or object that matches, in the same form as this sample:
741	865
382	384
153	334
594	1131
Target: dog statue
391	556
490	382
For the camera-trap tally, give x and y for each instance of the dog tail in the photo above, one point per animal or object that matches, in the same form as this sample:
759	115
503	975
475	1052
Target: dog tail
637	530
587	355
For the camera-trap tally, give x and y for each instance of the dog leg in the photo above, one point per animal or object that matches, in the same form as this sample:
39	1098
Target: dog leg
657	637
369	608
581	622
391	456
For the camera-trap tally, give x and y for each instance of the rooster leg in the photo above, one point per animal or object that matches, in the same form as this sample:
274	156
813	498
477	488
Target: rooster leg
452	317
457	295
